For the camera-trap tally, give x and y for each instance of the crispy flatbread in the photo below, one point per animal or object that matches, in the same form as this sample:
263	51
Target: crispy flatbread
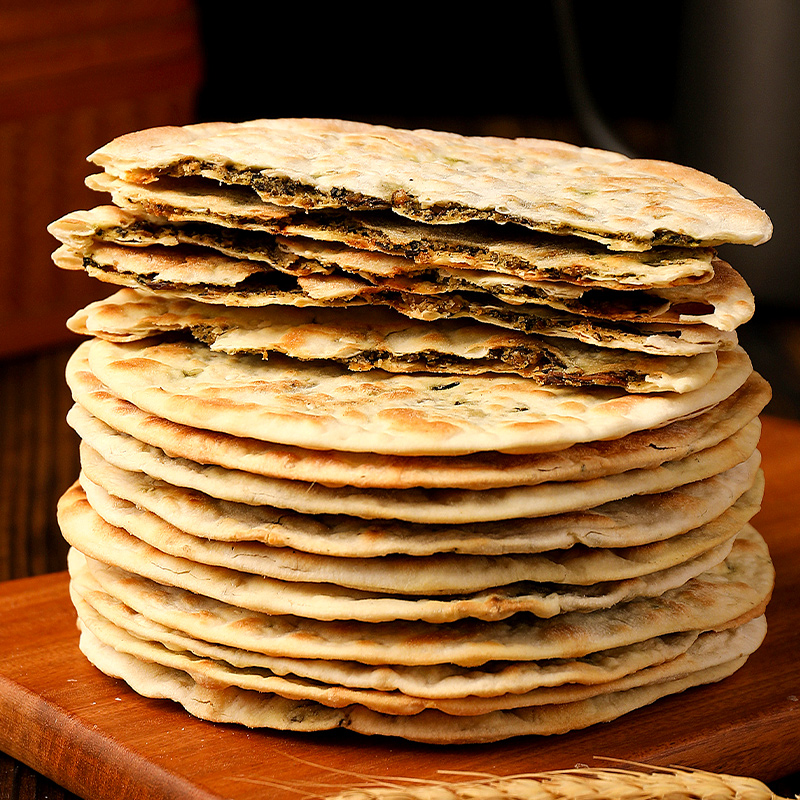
723	598
710	650
163	212
724	302
659	338
633	521
429	506
639	450
257	709
330	407
434	681
374	337
668	339
85	530
443	177
437	574
441	681
422	435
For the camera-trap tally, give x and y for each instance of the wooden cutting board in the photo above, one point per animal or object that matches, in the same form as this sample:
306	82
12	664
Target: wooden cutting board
98	739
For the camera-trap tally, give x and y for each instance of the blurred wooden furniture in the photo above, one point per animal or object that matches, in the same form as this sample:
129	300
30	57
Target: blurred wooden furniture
74	74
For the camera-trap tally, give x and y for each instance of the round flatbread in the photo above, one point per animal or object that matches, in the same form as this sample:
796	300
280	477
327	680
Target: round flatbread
433	681
438	574
724	597
430	506
260	710
85	530
435	176
235	227
725	302
633	521
373	337
639	450
328	407
709	650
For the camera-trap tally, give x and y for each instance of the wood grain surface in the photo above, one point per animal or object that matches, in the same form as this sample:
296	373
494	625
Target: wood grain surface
98	739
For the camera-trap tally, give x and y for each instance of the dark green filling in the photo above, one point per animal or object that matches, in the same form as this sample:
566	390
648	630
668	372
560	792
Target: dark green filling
309	197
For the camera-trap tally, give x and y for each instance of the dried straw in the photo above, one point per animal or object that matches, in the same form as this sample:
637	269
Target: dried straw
576	784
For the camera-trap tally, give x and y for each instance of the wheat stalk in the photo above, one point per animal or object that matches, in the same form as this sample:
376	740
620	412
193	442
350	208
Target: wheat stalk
577	784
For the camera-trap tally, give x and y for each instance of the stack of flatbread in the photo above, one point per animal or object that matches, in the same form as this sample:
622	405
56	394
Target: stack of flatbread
411	433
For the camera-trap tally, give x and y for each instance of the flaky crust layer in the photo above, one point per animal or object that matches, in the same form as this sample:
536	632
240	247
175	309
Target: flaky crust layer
434	176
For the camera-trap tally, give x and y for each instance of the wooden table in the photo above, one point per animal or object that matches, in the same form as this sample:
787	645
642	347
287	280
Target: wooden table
60	719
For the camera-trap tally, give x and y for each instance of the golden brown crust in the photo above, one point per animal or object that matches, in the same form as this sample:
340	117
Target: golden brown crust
432	176
501	434
329	407
593	459
374	337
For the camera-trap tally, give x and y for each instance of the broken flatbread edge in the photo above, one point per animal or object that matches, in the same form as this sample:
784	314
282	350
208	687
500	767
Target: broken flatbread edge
365	166
531	256
368	337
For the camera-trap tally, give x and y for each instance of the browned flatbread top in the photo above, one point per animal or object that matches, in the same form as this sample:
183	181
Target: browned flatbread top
434	176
